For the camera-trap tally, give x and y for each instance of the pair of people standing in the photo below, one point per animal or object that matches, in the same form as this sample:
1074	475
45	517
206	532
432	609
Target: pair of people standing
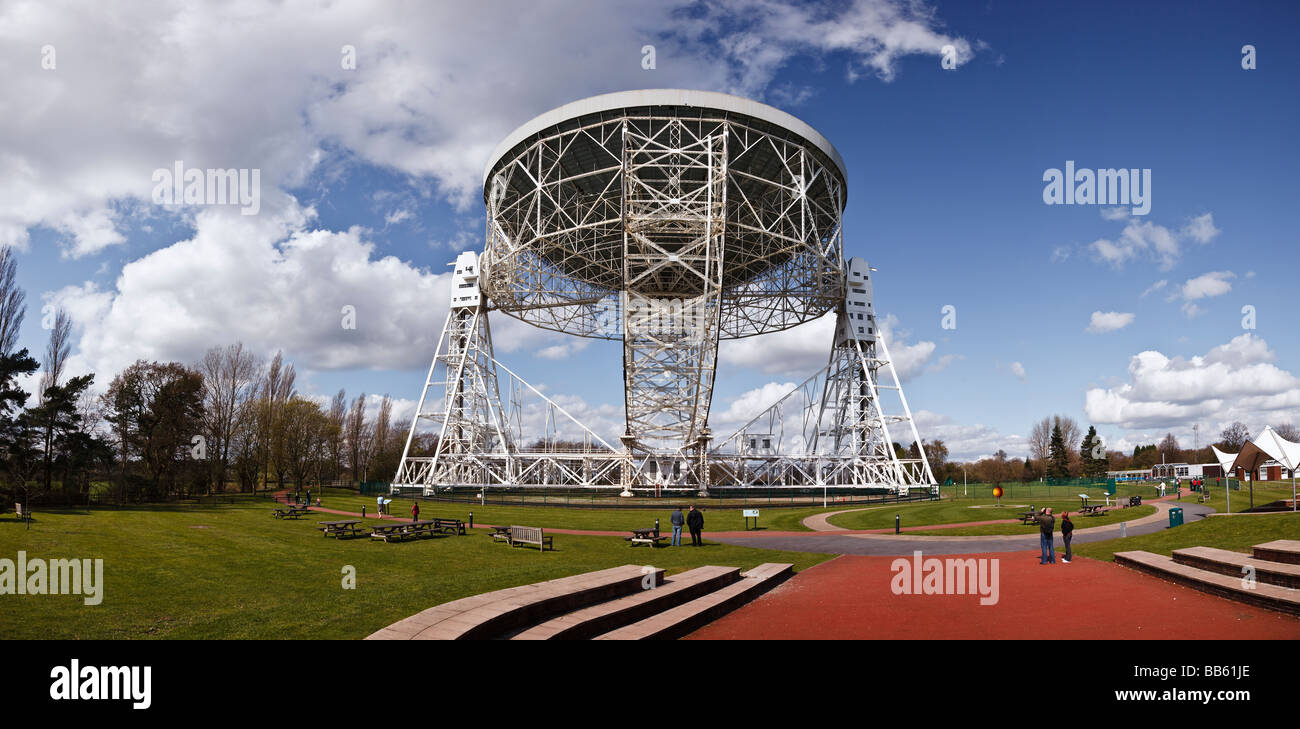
1046	522
694	520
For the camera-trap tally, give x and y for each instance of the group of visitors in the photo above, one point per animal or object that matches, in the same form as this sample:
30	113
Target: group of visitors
1046	523
693	520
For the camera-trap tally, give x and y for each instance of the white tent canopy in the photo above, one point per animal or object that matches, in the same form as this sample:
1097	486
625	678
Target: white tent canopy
1225	460
1267	446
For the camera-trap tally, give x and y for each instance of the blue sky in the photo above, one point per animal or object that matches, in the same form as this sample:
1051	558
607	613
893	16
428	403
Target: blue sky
370	187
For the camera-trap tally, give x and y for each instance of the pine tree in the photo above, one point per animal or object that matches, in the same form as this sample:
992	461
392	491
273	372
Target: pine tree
1085	452
1058	465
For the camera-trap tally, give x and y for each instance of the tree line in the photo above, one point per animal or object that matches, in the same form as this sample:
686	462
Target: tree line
231	421
1059	448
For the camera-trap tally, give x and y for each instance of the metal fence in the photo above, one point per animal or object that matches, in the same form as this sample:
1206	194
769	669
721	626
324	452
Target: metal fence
718	498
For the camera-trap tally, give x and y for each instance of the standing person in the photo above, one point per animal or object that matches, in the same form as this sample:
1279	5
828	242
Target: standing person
695	522
677	520
379	505
415	511
1045	524
308	497
1067	531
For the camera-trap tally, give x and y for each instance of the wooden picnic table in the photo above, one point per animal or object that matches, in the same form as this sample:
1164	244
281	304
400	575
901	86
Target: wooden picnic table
293	512
500	534
645	536
1094	510
404	530
339	529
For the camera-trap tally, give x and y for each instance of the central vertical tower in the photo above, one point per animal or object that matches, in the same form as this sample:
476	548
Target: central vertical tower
668	219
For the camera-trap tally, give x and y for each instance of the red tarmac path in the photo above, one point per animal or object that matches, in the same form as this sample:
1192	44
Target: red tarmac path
849	597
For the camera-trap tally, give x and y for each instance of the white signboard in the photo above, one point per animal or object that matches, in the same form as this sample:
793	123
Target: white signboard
750	512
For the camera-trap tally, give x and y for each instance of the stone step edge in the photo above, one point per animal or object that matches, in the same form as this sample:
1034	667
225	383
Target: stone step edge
701	611
607	616
1271	597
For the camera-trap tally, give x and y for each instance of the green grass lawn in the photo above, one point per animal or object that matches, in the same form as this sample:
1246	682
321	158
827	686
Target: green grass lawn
1237	533
1266	492
555	517
948	512
1039	491
231	571
1113	516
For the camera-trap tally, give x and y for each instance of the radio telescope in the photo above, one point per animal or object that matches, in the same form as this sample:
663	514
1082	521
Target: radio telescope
669	220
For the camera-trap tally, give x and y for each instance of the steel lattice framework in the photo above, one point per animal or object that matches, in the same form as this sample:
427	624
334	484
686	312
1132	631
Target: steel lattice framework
722	212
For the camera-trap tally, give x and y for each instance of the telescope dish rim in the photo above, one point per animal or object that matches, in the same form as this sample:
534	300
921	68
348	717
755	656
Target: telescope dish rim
664	97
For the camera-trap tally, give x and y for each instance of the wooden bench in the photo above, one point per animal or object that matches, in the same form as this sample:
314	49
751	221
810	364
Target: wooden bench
530	535
450	526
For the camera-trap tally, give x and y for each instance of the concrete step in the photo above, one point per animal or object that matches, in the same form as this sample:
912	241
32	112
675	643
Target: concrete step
1233	564
588	622
1272	597
1279	550
678	621
502	612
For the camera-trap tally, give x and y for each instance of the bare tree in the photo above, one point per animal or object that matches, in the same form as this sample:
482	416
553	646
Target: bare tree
1169	447
275	390
229	380
357	436
12	298
1040	438
56	353
338	414
56	356
1234	437
1287	431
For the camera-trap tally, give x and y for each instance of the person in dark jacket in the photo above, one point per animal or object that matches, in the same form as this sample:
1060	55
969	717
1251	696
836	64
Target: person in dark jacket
415	511
678	520
1046	522
695	522
1067	531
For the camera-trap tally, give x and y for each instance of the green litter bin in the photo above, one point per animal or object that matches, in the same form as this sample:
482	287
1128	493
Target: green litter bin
1175	517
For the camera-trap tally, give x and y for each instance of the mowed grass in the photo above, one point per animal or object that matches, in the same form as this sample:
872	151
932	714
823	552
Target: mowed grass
232	571
554	517
1266	492
948	512
1237	533
1114	516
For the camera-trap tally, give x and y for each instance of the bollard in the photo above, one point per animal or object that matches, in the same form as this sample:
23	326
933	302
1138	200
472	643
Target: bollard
1123	529
656	527
471	520
897	523
363	511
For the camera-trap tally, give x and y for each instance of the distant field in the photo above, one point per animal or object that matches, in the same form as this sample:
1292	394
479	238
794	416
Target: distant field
1265	492
952	512
234	572
1113	516
727	518
984	491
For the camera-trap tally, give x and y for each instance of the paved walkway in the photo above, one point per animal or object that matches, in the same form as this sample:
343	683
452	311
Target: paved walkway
850	597
870	543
